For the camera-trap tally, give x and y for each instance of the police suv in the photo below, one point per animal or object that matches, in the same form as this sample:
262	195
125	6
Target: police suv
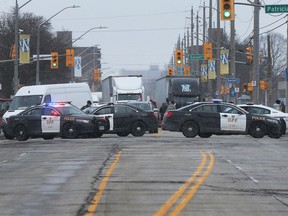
53	120
207	118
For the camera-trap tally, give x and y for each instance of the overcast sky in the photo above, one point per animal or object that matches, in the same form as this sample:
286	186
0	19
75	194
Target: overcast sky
139	33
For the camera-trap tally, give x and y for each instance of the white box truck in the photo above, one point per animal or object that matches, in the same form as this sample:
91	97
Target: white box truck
76	93
123	88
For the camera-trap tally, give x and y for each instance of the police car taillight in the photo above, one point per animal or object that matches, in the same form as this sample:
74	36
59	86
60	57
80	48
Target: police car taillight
169	114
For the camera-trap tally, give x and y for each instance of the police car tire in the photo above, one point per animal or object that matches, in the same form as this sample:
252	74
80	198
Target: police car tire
48	137
190	129
66	131
138	129
8	137
123	134
258	130
275	136
97	134
204	135
21	133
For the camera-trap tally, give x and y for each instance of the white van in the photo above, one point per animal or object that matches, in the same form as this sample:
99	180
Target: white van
76	93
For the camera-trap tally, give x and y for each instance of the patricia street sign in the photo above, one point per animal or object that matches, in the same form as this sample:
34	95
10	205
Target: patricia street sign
276	8
196	57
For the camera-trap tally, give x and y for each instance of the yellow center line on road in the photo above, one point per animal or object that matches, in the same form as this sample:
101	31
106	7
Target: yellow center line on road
178	209
193	189
169	203
96	199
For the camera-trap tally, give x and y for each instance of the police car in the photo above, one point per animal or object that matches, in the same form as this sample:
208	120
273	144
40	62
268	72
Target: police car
207	118
52	120
125	119
265	110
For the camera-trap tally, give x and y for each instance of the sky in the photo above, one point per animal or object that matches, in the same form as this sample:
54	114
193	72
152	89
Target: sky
139	33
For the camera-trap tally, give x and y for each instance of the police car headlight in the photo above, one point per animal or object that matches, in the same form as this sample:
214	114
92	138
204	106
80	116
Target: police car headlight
272	121
82	121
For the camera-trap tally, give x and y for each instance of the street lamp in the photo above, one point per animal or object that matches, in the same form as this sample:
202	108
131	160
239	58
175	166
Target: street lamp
72	68
17	8
38	40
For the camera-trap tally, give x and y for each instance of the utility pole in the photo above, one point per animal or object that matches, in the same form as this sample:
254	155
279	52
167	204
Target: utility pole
255	73
218	76
270	83
286	92
192	39
15	79
210	90
232	52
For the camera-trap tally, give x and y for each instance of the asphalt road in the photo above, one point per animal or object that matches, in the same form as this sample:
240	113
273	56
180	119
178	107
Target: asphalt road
157	174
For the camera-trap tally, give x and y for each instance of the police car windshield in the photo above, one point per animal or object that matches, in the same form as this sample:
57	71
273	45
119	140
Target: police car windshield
25	101
69	110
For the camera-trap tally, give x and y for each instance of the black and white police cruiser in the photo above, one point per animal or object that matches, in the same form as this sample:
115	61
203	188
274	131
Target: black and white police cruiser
52	120
207	118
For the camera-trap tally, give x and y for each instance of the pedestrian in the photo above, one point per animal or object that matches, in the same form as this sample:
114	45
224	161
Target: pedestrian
282	106
154	104
171	106
163	108
89	103
277	105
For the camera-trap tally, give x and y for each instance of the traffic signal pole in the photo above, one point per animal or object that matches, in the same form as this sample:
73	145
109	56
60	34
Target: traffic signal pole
255	70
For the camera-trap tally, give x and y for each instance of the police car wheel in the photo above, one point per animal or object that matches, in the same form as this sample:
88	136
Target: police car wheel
48	137
275	136
138	129
204	135
8	136
123	134
190	129
97	134
69	131
258	130
21	133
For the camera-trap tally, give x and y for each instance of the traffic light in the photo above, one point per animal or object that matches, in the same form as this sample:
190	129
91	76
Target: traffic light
170	71
263	85
249	54
208	52
250	87
179	57
227	10
96	74
54	60
186	71
69	57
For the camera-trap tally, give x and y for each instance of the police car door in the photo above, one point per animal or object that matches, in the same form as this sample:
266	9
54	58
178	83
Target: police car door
103	112
50	120
232	119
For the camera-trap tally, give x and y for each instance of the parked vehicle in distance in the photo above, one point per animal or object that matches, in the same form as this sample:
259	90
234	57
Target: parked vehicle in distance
125	119
207	118
4	106
145	105
76	93
53	120
265	110
123	88
183	90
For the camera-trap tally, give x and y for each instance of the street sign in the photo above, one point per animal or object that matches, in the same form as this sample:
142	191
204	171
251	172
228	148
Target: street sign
276	8
196	57
232	80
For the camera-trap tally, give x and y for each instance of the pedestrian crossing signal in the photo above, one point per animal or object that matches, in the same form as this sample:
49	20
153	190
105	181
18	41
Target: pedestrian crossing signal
54	60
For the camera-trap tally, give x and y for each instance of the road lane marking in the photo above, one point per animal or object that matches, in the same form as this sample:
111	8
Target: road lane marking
96	199
164	208
178	209
186	197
